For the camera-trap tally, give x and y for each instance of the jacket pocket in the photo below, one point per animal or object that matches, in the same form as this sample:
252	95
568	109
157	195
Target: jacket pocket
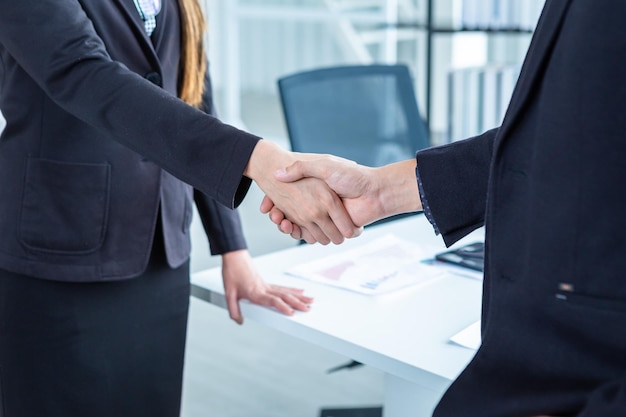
566	293
64	206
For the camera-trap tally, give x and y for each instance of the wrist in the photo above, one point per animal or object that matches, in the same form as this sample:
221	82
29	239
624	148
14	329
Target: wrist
252	168
398	188
235	259
266	157
234	254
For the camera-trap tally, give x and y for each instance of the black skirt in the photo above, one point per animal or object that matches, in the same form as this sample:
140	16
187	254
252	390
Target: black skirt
113	349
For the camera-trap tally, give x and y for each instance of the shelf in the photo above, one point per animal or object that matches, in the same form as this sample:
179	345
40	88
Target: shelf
426	27
504	31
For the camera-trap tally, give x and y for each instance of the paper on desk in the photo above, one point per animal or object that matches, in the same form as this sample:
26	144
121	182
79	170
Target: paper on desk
468	337
385	264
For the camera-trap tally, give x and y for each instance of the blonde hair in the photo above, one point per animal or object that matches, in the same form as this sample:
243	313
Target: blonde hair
193	61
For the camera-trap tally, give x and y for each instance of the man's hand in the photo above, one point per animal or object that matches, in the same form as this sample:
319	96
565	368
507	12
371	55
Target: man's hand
242	281
309	203
369	194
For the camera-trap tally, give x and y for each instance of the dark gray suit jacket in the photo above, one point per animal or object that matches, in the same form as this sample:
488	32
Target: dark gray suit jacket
553	177
92	118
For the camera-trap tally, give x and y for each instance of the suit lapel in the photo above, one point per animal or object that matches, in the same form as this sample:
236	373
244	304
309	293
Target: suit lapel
130	10
538	54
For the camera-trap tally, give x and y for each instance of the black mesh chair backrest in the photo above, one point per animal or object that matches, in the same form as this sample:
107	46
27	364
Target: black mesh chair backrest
366	113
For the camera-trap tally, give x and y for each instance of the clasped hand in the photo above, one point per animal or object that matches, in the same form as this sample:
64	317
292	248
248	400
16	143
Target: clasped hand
366	194
308	203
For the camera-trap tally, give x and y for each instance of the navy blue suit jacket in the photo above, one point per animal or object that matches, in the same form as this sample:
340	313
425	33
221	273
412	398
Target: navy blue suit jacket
552	177
97	144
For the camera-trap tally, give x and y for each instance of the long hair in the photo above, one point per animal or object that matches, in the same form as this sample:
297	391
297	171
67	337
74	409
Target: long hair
193	61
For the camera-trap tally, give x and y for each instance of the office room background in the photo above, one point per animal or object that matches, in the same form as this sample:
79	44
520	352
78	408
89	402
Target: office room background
462	86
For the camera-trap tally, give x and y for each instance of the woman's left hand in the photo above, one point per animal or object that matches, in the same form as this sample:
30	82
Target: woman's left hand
242	281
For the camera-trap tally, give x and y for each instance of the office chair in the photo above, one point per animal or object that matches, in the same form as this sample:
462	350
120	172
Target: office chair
365	113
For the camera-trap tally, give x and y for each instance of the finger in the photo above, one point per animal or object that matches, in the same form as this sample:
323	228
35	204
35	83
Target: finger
297	171
266	205
276	216
296	232
269	300
330	229
343	222
316	234
313	234
291	229
336	223
293	292
295	302
286	227
306	235
282	289
323	229
233	307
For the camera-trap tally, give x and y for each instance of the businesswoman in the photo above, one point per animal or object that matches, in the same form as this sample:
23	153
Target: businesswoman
94	234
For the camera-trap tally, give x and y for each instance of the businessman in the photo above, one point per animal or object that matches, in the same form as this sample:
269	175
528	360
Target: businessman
548	185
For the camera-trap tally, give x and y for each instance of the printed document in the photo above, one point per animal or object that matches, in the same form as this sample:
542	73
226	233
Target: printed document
468	337
383	265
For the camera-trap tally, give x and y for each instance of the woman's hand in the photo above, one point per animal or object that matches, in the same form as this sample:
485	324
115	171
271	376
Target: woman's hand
242	281
308	203
368	194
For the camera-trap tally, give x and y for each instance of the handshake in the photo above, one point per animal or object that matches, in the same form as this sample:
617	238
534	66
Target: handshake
323	198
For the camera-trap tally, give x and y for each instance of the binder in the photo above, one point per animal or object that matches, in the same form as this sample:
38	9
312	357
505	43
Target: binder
508	81
456	105
490	98
473	99
471	17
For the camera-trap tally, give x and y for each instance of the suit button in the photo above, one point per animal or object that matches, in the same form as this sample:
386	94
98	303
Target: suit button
155	78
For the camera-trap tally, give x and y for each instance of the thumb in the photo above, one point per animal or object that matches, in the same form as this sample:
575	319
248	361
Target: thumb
295	171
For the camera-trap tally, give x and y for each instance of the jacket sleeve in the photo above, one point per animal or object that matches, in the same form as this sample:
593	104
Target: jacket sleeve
56	44
221	224
454	178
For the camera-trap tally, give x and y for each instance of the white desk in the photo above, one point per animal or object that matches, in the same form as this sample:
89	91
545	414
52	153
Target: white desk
404	333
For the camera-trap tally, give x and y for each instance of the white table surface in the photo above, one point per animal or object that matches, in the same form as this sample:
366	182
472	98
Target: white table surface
404	333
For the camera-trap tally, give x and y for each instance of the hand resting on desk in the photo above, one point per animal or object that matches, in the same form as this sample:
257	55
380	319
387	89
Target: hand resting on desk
242	281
